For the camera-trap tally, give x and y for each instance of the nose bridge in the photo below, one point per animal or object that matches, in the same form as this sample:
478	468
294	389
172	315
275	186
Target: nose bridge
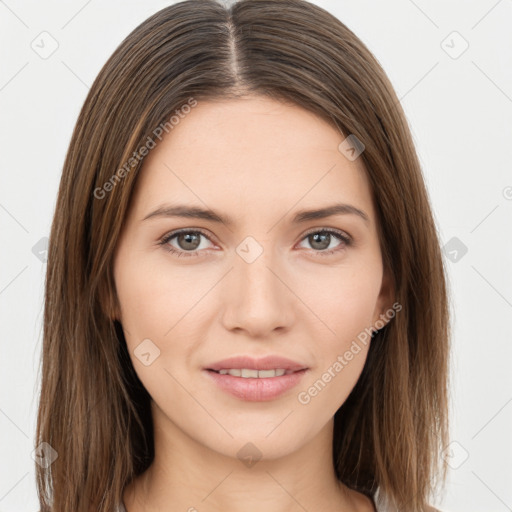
256	299
253	262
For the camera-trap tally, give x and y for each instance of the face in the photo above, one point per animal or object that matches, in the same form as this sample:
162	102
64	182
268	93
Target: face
265	280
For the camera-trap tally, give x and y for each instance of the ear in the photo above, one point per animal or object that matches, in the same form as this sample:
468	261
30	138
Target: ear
385	301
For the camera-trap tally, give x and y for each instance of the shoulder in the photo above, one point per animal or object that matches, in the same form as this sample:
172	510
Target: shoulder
382	504
381	508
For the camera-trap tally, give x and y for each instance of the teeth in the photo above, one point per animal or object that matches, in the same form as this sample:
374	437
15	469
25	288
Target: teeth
254	374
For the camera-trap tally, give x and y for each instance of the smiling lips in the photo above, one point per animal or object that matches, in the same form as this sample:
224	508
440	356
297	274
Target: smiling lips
254	374
256	379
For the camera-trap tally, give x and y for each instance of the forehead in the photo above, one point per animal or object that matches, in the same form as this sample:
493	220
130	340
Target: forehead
252	155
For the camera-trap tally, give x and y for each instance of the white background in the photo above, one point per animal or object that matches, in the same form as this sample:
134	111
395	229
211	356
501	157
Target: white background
460	114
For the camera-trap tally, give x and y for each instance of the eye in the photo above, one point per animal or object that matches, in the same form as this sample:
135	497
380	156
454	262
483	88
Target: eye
188	241
320	240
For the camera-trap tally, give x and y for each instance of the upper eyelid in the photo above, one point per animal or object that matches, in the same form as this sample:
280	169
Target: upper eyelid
172	234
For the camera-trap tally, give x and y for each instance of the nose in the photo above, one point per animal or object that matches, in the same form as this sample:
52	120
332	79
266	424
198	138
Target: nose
256	297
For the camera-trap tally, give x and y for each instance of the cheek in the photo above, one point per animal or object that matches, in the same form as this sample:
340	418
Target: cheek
344	299
152	297
157	306
340	351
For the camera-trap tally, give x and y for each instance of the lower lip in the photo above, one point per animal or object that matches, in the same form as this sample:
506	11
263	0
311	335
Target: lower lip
256	389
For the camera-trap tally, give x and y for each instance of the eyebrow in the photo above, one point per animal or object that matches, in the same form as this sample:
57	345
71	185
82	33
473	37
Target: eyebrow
193	212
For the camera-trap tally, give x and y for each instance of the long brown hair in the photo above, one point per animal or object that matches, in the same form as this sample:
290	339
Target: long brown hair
93	410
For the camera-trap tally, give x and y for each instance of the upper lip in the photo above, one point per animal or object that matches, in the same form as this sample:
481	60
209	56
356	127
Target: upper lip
264	363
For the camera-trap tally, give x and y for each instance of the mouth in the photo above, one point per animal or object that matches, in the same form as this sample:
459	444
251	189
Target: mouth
256	379
249	373
256	385
246	365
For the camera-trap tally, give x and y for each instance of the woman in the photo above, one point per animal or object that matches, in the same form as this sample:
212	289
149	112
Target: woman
245	301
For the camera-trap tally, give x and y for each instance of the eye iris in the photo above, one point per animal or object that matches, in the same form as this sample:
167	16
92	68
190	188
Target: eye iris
326	237
187	237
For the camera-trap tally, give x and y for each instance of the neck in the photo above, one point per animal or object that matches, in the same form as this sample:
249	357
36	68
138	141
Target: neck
192	477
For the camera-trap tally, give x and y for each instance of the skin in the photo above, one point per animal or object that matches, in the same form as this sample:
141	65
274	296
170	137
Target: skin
258	161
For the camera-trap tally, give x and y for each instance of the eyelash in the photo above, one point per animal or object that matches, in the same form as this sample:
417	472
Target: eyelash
340	235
